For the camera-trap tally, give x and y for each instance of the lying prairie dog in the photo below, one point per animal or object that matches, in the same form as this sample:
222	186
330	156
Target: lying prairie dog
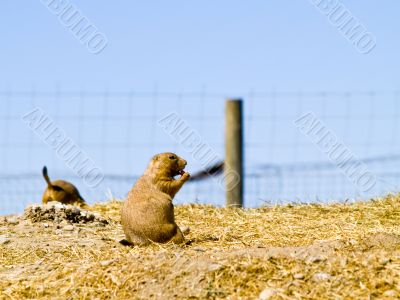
61	191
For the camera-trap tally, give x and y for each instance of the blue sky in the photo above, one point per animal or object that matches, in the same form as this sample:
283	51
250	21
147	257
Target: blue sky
180	45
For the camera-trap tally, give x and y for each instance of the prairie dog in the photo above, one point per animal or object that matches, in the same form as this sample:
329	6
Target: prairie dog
148	213
61	191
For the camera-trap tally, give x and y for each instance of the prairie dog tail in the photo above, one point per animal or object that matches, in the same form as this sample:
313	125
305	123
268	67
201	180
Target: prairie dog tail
46	176
213	170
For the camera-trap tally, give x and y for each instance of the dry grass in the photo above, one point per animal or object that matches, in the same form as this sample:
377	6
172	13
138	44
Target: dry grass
336	251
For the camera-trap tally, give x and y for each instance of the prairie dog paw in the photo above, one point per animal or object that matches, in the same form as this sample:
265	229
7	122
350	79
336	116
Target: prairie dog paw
185	176
185	230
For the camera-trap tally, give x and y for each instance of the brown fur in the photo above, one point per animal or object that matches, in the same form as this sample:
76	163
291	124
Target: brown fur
61	191
148	212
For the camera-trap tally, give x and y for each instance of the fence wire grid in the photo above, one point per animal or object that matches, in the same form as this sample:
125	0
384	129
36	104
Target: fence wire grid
120	132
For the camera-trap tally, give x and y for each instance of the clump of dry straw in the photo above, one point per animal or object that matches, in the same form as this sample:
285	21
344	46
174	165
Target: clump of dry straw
282	252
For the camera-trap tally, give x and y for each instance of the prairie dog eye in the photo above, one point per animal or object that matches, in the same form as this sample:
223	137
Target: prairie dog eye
172	157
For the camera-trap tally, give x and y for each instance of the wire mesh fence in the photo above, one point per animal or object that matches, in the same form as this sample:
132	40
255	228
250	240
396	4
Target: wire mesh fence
120	132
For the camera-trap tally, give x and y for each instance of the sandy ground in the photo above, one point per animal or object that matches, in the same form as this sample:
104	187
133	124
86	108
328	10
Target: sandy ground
342	251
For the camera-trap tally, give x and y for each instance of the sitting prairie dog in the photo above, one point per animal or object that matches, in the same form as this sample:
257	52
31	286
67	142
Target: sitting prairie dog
148	212
61	191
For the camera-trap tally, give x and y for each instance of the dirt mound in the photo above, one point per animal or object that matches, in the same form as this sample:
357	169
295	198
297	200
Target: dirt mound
57	212
320	250
334	251
383	240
